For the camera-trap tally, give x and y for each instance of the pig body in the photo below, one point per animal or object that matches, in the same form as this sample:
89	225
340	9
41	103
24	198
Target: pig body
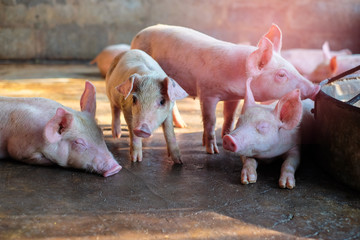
107	55
265	132
306	60
136	85
215	70
42	131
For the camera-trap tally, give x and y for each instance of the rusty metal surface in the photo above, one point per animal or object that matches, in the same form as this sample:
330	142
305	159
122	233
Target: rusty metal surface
338	129
203	199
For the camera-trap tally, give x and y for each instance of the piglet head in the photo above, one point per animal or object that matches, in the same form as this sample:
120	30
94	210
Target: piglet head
73	139
260	130
273	75
152	99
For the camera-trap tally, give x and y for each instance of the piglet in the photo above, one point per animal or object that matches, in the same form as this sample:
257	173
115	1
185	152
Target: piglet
136	85
216	70
44	132
107	55
263	132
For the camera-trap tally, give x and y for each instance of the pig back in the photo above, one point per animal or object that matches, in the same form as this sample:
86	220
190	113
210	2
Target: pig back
192	58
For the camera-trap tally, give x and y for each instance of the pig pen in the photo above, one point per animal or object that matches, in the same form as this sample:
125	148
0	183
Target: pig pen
154	199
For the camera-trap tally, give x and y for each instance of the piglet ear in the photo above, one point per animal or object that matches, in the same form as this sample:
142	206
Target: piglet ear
326	51
88	99
126	87
258	59
333	65
275	36
58	124
289	110
249	97
174	91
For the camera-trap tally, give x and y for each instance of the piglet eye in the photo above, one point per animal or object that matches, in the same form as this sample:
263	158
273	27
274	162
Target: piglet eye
134	99
281	76
262	127
80	141
80	144
162	101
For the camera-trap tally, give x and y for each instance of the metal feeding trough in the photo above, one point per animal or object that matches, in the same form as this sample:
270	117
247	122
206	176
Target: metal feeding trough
337	116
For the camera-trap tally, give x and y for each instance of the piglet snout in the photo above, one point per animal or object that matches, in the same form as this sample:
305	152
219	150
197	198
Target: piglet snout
229	143
316	91
115	169
143	131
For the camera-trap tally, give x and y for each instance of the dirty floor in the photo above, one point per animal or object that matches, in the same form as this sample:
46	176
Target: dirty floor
203	199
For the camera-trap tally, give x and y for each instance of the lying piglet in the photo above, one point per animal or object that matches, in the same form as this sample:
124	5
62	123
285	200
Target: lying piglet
107	55
216	70
136	85
42	131
263	132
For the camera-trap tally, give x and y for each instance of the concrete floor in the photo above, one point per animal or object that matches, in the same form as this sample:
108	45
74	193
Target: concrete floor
203	199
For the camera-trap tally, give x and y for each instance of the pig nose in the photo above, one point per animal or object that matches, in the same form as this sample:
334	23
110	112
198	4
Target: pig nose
143	132
315	92
115	169
229	143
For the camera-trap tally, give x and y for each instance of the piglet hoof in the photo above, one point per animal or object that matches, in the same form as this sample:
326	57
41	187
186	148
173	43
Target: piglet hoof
177	160
211	146
179	123
248	175
136	156
116	132
287	181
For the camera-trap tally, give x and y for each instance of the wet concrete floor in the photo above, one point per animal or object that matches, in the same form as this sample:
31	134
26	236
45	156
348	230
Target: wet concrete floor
203	199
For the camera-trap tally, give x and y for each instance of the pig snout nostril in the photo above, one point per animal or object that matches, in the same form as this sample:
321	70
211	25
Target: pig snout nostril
229	144
115	169
143	131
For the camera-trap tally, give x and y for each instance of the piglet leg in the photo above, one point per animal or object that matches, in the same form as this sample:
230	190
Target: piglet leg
135	148
115	125
135	142
248	172
173	149
208	107
229	116
288	168
178	121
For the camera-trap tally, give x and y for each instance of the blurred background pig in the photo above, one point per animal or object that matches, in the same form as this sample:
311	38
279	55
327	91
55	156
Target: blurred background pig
264	132
334	66
136	85
216	70
306	61
107	55
42	131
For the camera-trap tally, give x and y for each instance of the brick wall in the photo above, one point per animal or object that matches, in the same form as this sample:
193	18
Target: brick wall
79	29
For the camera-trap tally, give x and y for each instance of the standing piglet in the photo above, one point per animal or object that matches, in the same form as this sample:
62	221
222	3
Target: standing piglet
264	132
107	55
216	71
136	85
41	131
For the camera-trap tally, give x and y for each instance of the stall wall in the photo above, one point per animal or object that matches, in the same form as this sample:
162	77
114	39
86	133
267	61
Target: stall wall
79	29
